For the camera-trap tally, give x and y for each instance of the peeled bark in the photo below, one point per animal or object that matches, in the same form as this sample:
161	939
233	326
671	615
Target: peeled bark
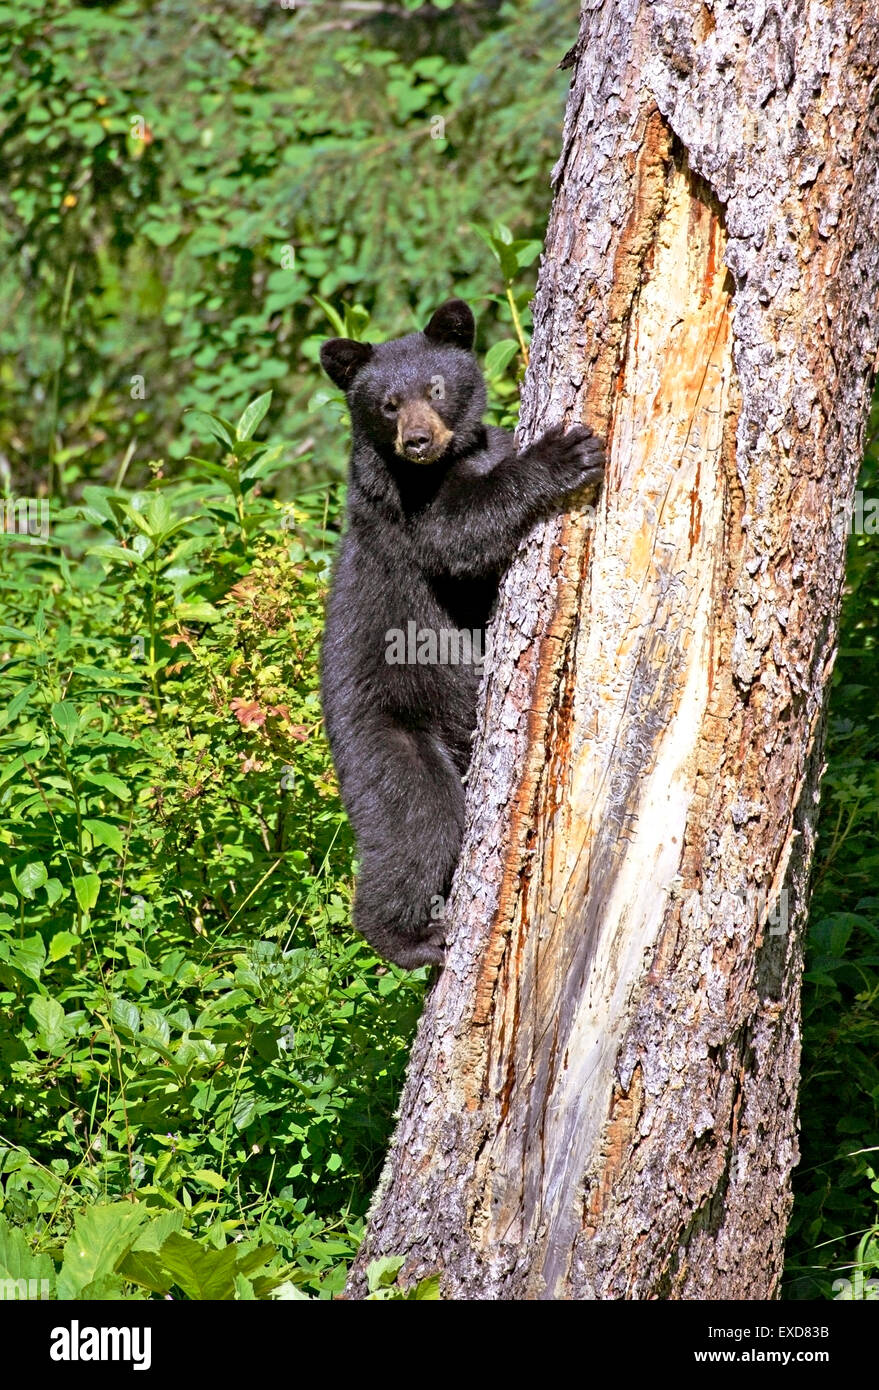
601	1101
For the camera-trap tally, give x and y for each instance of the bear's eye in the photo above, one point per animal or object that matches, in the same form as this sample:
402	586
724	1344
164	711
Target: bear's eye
390	406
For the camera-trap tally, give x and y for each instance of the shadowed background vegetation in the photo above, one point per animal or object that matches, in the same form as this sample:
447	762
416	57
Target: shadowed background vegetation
199	1062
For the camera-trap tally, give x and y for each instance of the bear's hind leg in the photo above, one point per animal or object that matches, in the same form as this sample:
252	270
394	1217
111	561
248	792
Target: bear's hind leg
408	825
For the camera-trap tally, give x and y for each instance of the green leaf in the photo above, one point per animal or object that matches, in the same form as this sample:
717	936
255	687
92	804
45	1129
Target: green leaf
271	461
29	877
244	1110
49	1018
107	1289
66	720
101	1239
500	355
199	611
105	834
96	499
87	887
153	1236
147	1270
504	249
18	1262
335	319
142	522
115	554
202	1274
55	890
508	263
356	320
161	233
253	415
125	1015
216	470
288	1292
62	943
17	703
428	1289
381	1274
112	784
203	423
526	251
143	1264
29	956
210	1179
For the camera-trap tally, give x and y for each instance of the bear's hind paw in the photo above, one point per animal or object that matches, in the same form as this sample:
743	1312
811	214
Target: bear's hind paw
411	953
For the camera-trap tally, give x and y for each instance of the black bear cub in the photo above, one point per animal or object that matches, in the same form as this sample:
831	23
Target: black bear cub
437	502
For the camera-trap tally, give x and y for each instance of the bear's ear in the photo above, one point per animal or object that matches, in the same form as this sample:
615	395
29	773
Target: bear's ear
452	323
342	358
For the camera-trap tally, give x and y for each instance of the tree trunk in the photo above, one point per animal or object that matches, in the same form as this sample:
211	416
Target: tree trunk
601	1101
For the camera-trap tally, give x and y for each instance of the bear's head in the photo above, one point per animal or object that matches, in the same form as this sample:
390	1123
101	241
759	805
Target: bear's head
421	397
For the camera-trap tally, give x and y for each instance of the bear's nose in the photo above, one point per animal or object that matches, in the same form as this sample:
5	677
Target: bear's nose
416	440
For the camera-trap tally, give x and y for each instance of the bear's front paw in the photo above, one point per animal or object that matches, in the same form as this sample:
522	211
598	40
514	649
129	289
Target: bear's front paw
574	459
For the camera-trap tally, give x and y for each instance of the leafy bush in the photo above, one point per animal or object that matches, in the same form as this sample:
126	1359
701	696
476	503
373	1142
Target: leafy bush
177	187
835	1227
189	1023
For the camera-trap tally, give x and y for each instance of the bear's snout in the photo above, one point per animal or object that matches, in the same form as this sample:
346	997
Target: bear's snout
422	436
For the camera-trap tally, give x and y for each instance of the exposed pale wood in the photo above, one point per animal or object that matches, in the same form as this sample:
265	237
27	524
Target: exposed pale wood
601	1100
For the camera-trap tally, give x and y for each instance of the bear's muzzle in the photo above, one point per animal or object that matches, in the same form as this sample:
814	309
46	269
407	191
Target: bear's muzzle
422	436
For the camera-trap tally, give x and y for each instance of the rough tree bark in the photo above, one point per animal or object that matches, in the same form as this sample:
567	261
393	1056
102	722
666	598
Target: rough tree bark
601	1101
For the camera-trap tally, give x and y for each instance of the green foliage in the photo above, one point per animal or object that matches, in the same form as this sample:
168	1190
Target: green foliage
381	1281
180	192
200	1061
835	1226
861	1283
122	1250
512	257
